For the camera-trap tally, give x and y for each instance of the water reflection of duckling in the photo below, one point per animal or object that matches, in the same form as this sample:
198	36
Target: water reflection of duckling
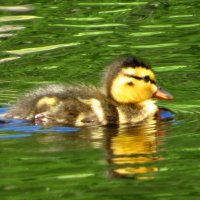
130	85
133	151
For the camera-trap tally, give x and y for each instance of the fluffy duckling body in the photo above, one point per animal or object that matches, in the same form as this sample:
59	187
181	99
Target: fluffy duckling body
130	86
65	105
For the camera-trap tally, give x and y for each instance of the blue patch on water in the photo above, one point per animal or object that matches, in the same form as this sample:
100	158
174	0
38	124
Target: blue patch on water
166	114
18	125
3	110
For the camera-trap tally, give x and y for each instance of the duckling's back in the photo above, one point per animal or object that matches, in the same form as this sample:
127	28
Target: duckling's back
75	104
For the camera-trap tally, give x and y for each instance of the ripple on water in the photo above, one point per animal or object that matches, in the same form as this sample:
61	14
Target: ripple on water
21	8
91	33
161	45
7	28
83	19
18	18
112	3
170	68
40	49
3	60
115	11
142	34
90	25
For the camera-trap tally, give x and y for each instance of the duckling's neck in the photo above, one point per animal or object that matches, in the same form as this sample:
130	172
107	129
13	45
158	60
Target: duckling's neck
135	113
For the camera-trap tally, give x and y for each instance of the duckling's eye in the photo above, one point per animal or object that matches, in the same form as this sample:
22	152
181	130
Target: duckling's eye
130	83
147	79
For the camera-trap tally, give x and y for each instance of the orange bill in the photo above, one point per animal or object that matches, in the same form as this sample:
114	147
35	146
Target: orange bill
162	94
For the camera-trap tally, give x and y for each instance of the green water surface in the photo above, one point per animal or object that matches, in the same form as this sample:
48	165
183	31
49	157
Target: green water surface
71	41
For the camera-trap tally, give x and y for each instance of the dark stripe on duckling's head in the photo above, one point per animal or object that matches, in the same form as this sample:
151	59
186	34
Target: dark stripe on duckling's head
145	78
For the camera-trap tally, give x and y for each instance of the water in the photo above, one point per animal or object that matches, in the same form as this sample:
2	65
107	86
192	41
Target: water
72	41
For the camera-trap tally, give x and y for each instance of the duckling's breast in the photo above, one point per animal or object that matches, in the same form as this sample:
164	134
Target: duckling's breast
135	113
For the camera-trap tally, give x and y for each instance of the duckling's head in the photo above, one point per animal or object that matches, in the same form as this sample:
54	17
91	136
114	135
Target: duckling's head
129	80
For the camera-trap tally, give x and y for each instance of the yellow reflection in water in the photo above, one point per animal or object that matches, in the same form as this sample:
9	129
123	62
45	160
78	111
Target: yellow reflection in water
132	149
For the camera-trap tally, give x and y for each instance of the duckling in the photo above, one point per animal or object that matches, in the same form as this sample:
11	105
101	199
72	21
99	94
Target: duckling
129	86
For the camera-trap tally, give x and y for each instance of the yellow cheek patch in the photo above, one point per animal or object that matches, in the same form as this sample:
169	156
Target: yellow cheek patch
130	85
120	90
47	102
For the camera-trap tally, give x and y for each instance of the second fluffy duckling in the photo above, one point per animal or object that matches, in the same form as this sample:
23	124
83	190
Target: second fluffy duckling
65	105
130	85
